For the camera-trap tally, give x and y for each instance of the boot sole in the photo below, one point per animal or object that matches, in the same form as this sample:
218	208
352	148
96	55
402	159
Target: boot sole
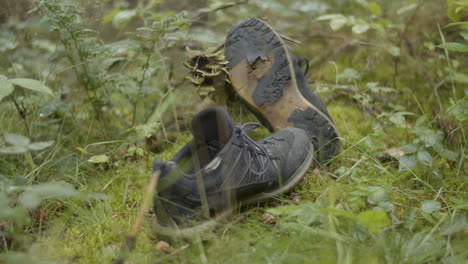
262	74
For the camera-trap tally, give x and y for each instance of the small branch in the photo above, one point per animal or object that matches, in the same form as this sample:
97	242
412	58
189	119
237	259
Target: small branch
290	39
130	240
202	13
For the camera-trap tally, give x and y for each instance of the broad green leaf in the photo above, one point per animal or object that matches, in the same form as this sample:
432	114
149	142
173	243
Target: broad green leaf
329	17
374	220
123	16
454	46
430	139
425	157
40	145
384	206
374	7
464	34
377	196
394	50
6	88
457	224
37	193
448	154
360	28
430	206
7	40
406	8
338	23
460	77
17	140
407	162
31	84
463	24
349	74
109	16
408	149
13	150
397	119
99	159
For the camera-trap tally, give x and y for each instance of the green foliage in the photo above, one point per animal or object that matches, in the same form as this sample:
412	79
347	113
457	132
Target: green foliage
19	144
105	79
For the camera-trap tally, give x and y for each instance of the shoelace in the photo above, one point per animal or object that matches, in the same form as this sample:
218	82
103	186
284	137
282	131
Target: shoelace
301	61
251	150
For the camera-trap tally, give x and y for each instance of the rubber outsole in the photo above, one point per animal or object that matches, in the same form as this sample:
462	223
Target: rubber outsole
262	74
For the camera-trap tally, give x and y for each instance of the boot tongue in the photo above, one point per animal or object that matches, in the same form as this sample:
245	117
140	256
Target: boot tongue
212	129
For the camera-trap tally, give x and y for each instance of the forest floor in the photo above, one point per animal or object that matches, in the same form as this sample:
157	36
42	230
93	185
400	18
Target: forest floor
396	193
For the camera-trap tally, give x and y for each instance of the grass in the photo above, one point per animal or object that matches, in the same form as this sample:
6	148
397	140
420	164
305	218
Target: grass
92	232
363	208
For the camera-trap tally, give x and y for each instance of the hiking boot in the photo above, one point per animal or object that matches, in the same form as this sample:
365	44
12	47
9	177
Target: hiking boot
222	168
271	83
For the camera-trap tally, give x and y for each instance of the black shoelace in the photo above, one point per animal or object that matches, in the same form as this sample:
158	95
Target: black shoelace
303	60
253	152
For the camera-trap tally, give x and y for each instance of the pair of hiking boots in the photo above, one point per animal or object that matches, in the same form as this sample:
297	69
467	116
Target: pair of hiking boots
222	168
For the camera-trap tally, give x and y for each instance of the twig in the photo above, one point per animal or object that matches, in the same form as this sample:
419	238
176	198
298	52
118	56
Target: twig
290	39
202	13
130	240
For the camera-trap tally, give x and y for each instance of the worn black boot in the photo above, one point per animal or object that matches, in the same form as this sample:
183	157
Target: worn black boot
270	81
223	168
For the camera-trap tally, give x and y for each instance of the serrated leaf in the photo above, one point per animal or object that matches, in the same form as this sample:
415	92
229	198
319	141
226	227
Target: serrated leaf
99	159
425	157
6	88
454	46
17	140
407	162
374	220
430	206
123	16
40	145
33	85
37	193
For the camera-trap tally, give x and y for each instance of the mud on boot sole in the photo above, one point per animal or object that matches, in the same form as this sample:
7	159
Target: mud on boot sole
262	74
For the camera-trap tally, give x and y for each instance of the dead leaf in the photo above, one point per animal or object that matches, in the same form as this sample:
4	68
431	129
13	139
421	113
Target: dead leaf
394	152
295	197
268	218
163	246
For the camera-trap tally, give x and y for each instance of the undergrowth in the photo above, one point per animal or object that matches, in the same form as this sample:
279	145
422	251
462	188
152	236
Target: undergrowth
91	93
